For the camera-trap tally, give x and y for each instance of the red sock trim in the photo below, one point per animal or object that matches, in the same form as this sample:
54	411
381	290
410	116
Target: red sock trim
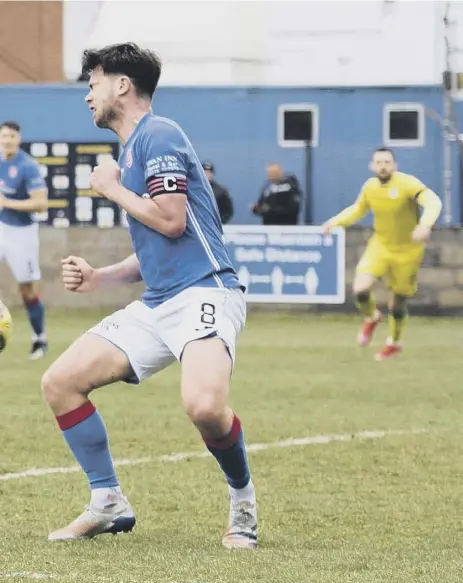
75	417
33	302
228	440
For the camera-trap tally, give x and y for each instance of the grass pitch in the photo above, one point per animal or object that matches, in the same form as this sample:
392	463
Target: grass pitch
362	511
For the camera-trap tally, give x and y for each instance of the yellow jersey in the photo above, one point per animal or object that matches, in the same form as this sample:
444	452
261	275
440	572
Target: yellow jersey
395	206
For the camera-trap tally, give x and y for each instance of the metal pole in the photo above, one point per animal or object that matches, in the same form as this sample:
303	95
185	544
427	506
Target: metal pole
447	162
446	145
308	207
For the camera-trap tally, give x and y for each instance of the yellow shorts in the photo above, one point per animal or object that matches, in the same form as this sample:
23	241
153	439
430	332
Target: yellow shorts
399	269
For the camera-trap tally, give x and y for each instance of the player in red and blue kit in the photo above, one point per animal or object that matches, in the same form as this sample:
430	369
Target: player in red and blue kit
22	193
192	311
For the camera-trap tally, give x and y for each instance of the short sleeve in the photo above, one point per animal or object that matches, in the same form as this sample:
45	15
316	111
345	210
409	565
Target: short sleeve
163	155
32	178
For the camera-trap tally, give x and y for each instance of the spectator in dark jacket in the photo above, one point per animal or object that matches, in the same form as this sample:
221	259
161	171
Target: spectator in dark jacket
222	196
280	198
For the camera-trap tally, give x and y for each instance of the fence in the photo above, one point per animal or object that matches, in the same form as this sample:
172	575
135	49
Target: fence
440	279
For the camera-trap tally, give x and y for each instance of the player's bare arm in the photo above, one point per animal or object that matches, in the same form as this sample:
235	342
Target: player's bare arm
432	206
36	203
80	277
166	213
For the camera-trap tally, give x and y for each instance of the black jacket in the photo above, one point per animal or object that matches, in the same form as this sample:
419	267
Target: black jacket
224	201
279	202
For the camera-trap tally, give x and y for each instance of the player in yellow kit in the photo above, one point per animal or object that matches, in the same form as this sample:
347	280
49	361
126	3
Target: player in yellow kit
396	249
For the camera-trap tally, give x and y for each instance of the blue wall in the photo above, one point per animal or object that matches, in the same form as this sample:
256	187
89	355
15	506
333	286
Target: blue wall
236	128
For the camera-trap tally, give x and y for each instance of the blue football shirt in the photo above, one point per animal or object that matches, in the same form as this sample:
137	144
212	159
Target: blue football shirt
19	176
159	159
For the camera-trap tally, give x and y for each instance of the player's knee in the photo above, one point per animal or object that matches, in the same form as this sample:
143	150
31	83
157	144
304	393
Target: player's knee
361	286
361	289
53	388
27	292
205	412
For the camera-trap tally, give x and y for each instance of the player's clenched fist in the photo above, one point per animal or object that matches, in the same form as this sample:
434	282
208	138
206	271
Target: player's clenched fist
105	177
78	275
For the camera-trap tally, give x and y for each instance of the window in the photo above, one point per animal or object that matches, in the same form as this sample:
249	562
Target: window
404	125
297	124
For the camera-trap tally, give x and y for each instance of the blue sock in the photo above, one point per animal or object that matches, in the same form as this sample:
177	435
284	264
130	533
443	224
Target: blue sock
230	452
85	433
36	312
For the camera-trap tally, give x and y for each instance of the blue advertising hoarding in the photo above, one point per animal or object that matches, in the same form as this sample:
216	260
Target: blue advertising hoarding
288	264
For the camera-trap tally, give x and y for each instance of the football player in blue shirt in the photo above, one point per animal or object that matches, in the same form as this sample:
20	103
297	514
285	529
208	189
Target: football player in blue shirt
22	193
193	309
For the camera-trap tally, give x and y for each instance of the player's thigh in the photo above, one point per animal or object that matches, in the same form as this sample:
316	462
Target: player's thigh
89	363
21	251
363	282
134	331
122	347
201	327
403	280
205	380
373	263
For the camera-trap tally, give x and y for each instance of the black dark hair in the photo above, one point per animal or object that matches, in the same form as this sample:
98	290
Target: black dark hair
11	125
142	66
383	149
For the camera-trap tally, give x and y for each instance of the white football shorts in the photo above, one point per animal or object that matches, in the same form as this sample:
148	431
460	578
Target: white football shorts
19	247
153	338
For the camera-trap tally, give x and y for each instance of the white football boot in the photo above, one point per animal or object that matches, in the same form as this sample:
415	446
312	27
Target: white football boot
115	518
38	350
242	525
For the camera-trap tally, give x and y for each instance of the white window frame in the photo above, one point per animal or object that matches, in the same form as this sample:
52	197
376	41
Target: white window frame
312	107
399	107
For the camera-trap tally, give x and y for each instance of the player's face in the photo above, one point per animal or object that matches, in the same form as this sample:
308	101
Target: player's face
9	141
383	165
102	98
274	172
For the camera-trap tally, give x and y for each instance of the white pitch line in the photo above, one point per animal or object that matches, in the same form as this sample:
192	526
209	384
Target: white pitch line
254	447
27	575
42	576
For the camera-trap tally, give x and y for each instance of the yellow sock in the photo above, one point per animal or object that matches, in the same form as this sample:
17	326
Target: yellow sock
366	304
397	319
